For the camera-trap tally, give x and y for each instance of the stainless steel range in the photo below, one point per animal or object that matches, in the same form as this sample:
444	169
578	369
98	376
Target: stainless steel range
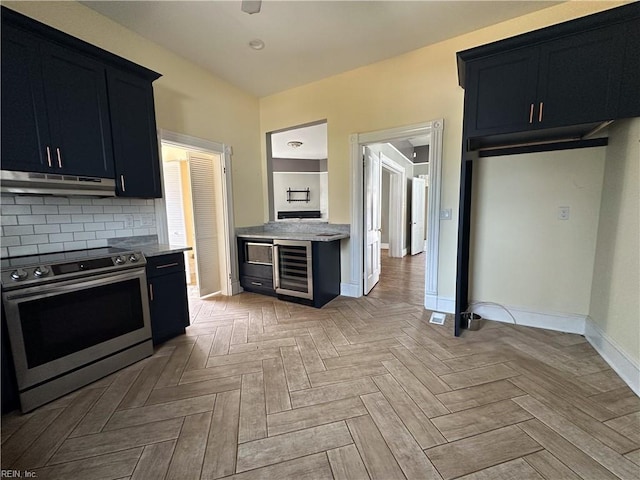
74	317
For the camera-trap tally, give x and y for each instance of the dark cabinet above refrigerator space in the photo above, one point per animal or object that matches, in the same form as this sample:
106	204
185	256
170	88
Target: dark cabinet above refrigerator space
558	83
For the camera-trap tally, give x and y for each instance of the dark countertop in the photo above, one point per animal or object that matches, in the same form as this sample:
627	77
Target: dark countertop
157	249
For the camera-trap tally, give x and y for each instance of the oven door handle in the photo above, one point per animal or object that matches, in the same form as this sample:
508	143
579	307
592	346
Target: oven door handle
43	291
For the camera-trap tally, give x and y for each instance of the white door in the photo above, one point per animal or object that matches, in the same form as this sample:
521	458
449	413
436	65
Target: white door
418	186
372	219
206	200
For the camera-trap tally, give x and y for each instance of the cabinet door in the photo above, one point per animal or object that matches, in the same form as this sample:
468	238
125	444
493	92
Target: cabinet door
76	98
580	78
629	101
25	131
168	306
135	140
500	93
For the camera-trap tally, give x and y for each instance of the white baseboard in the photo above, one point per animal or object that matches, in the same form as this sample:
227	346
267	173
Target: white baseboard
404	252
349	290
384	246
611	352
561	322
439	304
236	288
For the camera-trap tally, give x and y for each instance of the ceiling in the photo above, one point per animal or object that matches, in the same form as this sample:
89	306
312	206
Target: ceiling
312	137
305	40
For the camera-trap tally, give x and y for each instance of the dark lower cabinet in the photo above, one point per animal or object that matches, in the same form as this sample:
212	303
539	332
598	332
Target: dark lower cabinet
9	387
324	270
168	301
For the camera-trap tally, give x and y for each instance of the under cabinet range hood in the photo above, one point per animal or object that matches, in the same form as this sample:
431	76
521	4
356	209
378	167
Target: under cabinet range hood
55	184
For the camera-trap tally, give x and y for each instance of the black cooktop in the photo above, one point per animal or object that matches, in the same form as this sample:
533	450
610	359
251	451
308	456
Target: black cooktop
57	257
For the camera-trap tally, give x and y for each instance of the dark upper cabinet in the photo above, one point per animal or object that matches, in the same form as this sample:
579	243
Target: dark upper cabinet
579	79
135	142
77	105
570	81
501	92
69	107
55	116
25	125
552	84
629	98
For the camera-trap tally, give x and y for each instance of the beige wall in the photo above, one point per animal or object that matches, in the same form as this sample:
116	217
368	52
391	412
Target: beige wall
188	99
524	256
419	86
615	296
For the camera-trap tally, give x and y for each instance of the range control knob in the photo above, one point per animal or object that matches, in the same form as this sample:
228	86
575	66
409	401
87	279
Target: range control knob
133	258
18	275
41	271
120	260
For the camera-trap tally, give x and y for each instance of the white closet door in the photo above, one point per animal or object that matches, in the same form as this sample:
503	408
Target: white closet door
173	200
205	208
372	219
417	215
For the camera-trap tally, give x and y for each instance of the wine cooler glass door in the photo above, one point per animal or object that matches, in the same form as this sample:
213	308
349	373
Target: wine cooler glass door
293	268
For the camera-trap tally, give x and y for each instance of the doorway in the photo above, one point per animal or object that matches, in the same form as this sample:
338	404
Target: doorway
197	206
361	233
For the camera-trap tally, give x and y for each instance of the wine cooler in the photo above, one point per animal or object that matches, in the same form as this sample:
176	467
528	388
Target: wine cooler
292	268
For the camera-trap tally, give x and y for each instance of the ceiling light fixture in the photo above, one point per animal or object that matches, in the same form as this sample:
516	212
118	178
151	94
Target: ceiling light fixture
294	144
251	6
256	44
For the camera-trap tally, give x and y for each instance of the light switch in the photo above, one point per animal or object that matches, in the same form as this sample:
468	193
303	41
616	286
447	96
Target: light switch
445	214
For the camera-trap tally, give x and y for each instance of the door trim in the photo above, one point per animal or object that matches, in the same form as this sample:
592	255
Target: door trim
397	203
357	141
232	284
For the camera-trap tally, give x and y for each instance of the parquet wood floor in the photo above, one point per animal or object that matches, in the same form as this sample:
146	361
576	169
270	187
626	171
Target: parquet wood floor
362	388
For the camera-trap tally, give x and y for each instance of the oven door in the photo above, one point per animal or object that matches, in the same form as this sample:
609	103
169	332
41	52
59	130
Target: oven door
61	327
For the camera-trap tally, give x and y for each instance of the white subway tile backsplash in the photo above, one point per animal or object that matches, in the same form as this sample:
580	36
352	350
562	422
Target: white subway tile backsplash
103	217
10	241
96	243
70	209
26	250
81	218
56	201
58	218
75	245
50	247
104	234
113	209
92	227
33	239
53	228
31	219
84	236
29	200
15	209
33	224
92	209
72	227
61	237
39	209
18	230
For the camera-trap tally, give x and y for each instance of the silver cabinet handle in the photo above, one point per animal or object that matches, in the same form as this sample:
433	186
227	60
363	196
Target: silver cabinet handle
49	156
122	183
276	267
540	113
59	157
258	284
531	113
167	265
151	291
